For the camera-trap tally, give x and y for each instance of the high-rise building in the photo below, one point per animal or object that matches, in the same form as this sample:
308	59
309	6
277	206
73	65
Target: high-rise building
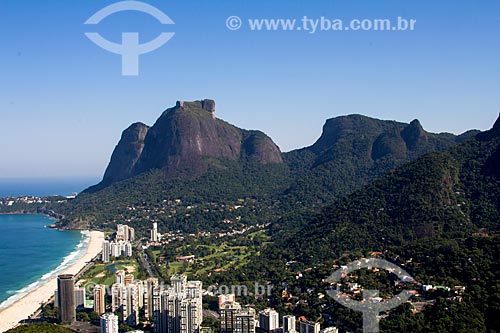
129	278
309	327
140	292
121	232
235	319
126	298
127	251
228	312
268	320
178	309
130	305
105	251
131	234
117	295
154	233
245	321
80	298
119	248
99	299
115	249
125	233
289	324
178	283
150	285
109	323
66	298
226	298
120	276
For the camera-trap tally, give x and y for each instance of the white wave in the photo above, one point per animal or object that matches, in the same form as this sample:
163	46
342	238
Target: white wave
67	261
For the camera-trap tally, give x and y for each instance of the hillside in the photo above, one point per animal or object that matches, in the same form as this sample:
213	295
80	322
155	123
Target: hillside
191	155
454	193
354	150
437	216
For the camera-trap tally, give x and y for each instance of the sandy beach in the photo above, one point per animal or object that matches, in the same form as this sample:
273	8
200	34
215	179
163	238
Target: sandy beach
26	306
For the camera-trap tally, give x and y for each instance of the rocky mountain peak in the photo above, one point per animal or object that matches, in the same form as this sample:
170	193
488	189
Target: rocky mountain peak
205	104
186	140
414	134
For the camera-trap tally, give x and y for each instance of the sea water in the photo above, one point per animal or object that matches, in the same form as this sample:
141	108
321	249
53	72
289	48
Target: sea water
16	187
31	253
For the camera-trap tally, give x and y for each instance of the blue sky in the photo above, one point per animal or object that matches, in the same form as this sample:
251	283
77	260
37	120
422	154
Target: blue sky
64	101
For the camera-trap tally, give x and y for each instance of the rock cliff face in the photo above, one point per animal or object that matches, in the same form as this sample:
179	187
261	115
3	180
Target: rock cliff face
373	139
126	154
414	135
259	147
185	141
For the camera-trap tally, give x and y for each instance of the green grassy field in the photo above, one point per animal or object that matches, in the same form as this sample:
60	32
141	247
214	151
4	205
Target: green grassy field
104	273
213	257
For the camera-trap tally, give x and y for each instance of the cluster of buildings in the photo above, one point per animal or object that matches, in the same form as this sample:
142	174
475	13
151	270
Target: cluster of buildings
29	200
79	297
121	245
178	308
237	319
129	296
175	308
25	200
32	200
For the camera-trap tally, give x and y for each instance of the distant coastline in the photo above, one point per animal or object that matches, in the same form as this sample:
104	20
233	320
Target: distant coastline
44	187
49	213
51	226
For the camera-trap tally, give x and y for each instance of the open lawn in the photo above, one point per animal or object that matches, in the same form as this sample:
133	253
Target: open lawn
213	257
104	273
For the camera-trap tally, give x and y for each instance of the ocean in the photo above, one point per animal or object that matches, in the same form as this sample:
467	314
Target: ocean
31	254
15	187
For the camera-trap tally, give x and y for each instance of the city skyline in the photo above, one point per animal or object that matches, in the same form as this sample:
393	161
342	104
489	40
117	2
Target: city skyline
64	89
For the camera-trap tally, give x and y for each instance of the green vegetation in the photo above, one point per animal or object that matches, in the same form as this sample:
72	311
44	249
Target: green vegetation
40	328
289	226
211	256
148	197
104	273
437	217
340	162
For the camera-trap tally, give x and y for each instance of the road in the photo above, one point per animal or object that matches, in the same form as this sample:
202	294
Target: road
143	258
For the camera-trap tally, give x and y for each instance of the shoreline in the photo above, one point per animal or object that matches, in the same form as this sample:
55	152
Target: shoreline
50	213
30	303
